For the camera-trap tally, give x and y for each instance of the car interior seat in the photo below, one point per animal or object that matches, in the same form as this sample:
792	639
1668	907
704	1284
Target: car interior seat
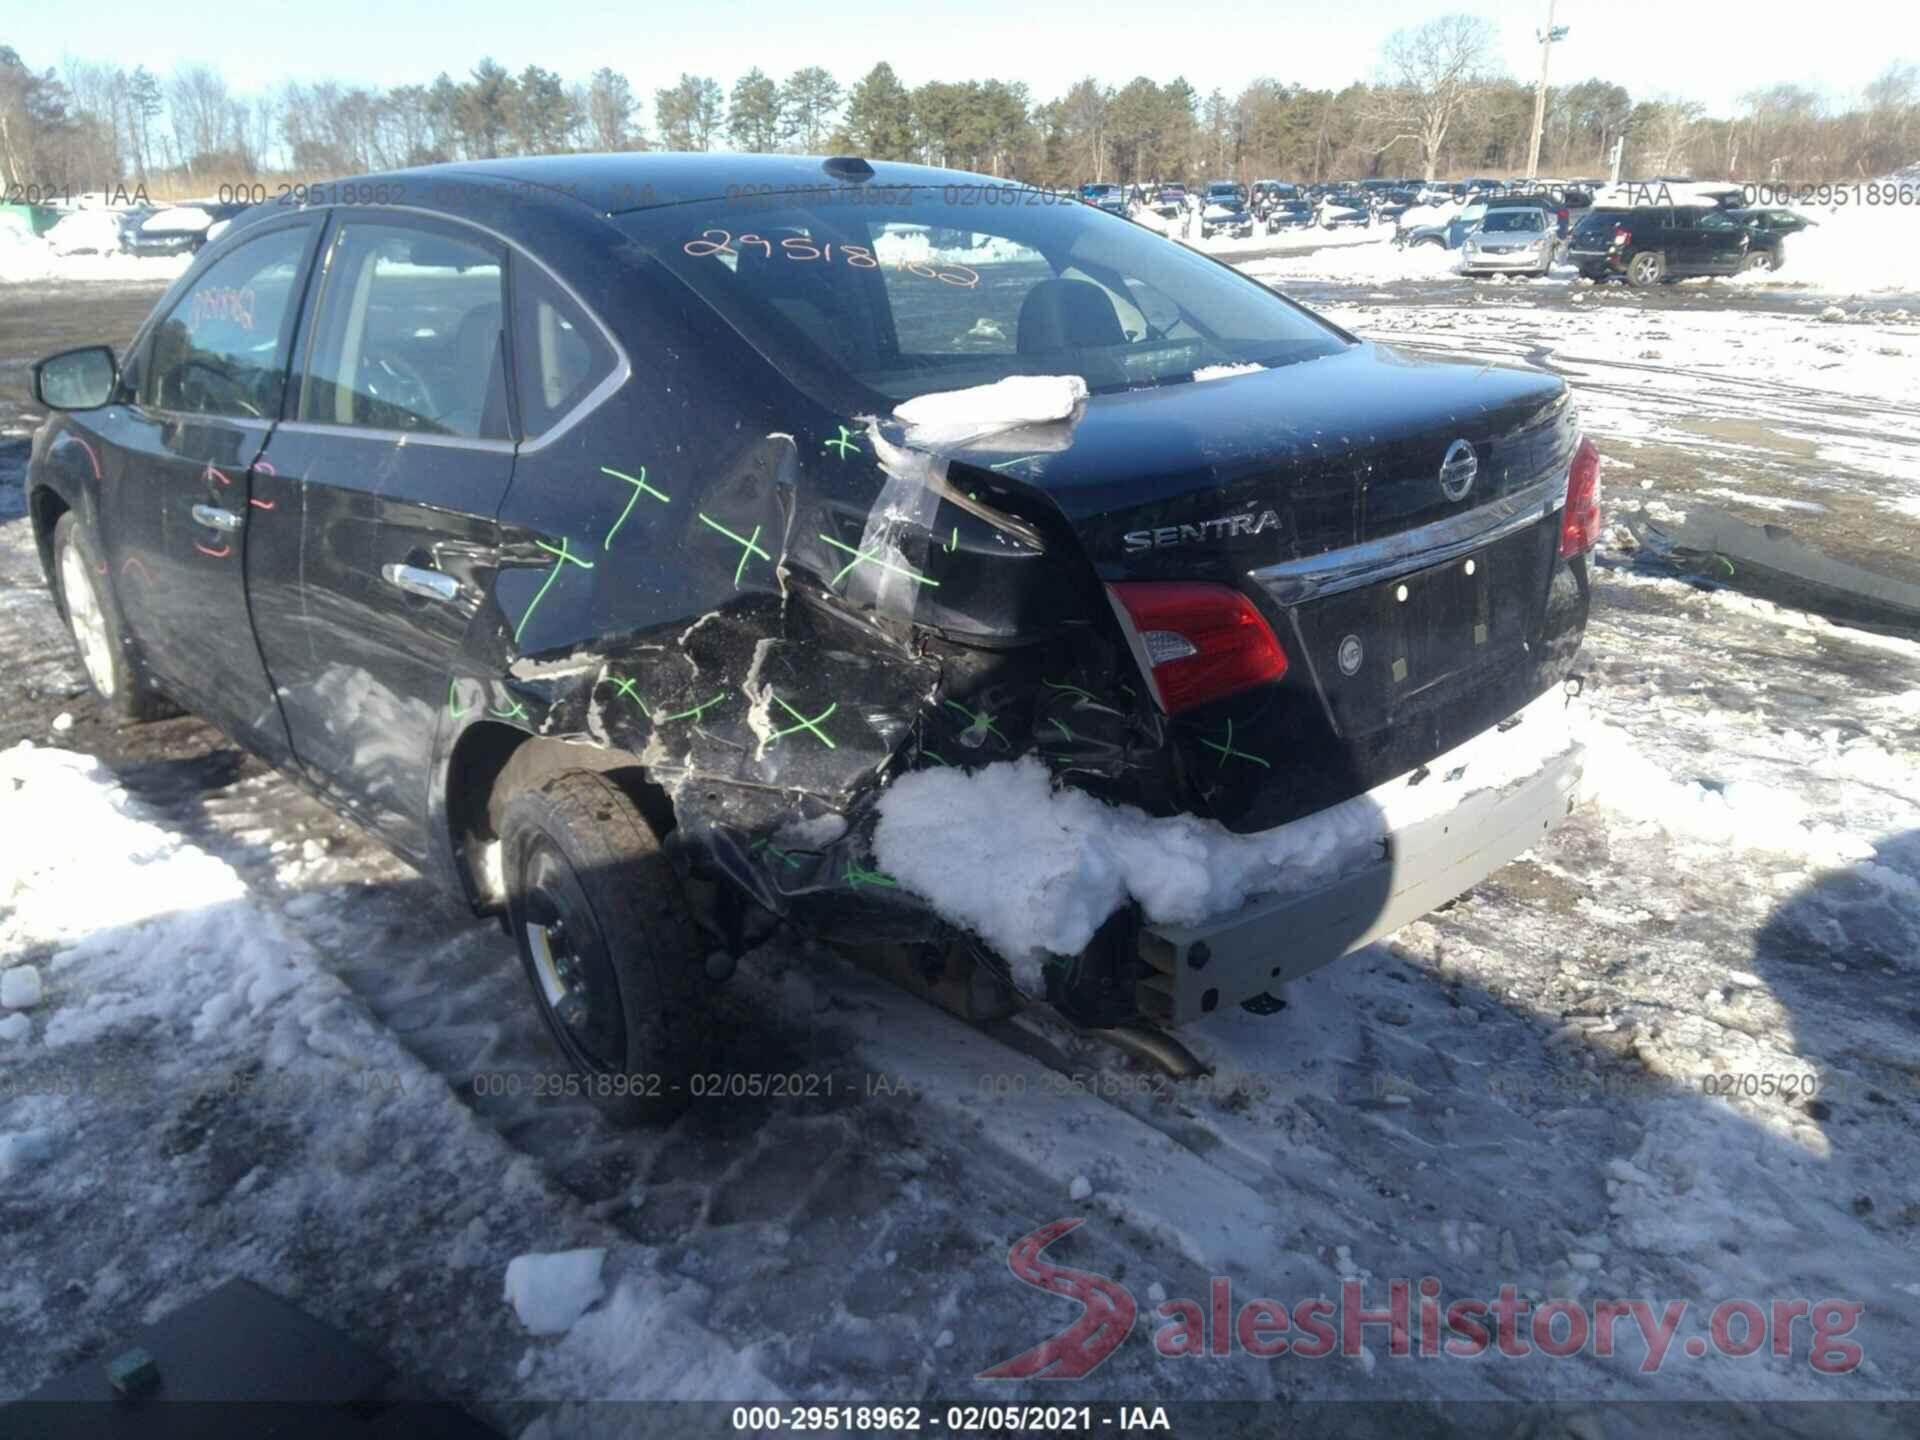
1067	315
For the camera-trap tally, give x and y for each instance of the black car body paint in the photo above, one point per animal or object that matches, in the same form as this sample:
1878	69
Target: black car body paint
770	596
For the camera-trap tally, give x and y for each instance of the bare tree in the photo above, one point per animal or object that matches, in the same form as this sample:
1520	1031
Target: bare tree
1667	130
198	100
1431	74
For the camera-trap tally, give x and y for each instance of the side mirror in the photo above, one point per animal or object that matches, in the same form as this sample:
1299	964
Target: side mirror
76	379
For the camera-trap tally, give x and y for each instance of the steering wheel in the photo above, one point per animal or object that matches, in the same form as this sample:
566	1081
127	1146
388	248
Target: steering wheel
230	389
396	384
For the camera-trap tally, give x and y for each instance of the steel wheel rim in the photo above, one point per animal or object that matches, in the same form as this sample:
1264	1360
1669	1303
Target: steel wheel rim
87	621
570	964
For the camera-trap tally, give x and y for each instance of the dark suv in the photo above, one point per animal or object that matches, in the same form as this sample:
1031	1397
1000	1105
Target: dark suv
653	569
1768	227
1649	244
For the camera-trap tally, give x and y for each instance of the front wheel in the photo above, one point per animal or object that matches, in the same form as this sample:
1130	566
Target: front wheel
94	621
607	943
1648	267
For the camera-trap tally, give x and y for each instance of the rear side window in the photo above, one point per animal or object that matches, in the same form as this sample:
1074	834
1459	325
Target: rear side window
408	334
560	356
222	350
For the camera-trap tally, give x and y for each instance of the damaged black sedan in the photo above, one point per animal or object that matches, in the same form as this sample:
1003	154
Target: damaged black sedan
628	541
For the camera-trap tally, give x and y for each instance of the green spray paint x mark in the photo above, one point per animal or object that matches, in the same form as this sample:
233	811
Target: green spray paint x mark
514	711
872	559
696	712
858	875
640	486
564	557
1227	752
749	547
812	725
624	686
844	442
980	720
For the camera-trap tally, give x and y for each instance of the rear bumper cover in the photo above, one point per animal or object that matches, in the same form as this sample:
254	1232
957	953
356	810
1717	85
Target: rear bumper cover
1219	962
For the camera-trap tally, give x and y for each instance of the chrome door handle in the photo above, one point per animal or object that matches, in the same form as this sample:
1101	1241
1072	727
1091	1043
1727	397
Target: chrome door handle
428	584
215	518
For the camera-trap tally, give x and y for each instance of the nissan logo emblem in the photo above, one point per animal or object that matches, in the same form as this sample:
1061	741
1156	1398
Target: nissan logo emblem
1350	655
1457	470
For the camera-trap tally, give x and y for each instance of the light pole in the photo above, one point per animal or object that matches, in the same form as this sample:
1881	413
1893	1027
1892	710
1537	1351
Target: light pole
1546	38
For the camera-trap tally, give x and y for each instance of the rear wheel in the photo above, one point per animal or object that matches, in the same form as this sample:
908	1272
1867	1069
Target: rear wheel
1647	267
607	943
94	621
1758	260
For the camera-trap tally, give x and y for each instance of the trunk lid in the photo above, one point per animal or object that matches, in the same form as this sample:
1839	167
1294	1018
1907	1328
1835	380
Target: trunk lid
1219	477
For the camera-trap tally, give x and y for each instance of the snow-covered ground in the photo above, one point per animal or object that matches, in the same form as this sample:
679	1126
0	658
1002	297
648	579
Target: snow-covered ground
1669	1056
76	249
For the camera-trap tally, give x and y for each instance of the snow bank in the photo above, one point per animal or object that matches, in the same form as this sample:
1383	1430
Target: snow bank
1360	264
1034	869
1744	814
550	1292
1851	250
20	987
950	416
26	257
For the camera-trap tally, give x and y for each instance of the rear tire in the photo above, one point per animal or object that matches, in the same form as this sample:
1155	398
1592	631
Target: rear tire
608	944
93	620
1647	268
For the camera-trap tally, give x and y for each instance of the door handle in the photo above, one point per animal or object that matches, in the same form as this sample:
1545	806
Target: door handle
215	518
415	580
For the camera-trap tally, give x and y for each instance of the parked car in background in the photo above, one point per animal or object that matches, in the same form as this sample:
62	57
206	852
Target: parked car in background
180	229
1390	205
1288	215
1449	234
1511	238
1560	218
1110	198
1768	227
1649	244
1345	207
1169	202
1225	210
532	524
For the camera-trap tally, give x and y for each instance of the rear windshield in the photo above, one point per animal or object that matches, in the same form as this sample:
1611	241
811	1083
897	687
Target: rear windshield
1498	220
877	296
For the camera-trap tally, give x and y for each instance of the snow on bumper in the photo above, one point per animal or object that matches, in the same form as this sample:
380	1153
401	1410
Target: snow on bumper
1035	869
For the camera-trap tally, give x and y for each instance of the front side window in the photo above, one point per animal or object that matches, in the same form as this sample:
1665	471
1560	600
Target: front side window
408	334
871	301
222	350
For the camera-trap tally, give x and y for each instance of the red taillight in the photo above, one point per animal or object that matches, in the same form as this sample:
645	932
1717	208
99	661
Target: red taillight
1580	523
1622	237
1198	642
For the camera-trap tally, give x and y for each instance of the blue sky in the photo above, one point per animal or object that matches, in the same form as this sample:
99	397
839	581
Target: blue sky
1708	50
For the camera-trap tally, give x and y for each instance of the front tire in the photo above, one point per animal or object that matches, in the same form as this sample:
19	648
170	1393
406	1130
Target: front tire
607	943
93	619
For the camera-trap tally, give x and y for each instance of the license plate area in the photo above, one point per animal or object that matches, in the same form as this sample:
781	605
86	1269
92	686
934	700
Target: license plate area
1380	650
